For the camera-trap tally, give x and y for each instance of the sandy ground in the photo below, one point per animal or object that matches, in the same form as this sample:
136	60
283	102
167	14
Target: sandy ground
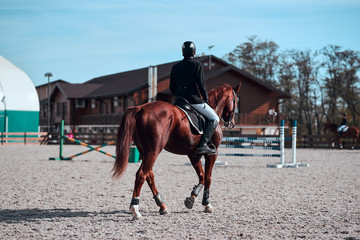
42	199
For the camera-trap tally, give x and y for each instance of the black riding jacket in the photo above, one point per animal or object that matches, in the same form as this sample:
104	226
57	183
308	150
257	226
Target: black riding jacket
344	121
187	80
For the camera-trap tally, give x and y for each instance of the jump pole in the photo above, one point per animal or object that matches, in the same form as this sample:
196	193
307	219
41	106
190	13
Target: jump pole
62	136
293	164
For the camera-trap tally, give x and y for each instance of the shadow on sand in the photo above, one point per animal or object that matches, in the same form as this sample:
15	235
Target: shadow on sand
33	215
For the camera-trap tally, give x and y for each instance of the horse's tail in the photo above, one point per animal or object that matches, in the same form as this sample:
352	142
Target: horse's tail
123	141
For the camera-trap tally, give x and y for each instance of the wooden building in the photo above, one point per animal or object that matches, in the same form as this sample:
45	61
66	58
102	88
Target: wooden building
98	104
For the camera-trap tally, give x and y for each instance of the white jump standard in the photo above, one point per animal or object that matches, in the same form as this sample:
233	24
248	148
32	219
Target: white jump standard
269	140
282	163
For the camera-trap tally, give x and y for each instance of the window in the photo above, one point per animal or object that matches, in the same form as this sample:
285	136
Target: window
64	109
58	109
80	103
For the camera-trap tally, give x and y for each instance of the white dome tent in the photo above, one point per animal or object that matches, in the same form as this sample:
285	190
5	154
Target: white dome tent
19	102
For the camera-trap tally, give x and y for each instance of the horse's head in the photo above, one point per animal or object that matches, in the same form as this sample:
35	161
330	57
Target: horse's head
226	103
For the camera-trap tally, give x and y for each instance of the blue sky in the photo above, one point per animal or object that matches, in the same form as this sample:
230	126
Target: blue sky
78	40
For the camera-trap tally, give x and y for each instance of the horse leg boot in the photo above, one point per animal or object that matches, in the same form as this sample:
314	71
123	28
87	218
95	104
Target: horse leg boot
189	202
161	204
206	201
203	147
158	200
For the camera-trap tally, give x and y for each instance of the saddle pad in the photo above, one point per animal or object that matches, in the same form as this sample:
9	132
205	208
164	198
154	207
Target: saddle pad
196	124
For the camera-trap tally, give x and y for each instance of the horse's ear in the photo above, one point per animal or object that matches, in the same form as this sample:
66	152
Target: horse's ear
237	88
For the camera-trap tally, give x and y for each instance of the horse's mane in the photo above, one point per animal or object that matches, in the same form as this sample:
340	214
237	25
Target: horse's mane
215	95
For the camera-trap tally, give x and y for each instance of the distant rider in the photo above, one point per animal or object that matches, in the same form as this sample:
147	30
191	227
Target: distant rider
343	125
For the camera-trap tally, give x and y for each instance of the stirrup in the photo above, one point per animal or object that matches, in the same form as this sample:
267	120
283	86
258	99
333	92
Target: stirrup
206	150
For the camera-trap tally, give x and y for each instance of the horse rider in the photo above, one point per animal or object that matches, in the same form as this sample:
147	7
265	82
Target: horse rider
187	80
343	124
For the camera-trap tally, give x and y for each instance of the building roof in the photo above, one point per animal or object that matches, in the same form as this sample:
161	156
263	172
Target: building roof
127	82
79	90
17	91
134	80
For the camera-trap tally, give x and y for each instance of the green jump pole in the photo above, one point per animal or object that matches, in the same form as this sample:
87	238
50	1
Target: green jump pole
61	144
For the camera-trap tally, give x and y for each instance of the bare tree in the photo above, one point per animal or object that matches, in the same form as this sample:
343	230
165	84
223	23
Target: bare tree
319	92
305	80
286	76
332	81
350	91
260	58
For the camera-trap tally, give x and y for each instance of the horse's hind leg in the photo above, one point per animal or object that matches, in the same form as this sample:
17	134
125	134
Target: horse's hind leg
141	176
139	181
151	181
196	163
145	173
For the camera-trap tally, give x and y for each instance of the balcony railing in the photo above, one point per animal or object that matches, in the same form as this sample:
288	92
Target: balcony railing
99	119
256	119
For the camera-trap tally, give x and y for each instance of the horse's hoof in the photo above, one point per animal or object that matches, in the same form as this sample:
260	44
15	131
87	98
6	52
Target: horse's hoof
208	209
189	202
135	210
137	218
164	211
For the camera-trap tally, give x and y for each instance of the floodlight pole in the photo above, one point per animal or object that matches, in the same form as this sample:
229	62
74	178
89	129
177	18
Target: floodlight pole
210	47
48	75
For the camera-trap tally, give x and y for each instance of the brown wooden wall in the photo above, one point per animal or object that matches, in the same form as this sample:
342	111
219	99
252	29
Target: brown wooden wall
253	98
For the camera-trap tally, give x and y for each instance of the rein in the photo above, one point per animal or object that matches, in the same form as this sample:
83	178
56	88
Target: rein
230	122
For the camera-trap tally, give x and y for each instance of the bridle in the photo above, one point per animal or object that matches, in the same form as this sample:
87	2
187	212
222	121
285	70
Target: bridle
230	122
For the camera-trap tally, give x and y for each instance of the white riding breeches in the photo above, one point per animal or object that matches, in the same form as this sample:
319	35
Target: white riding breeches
342	128
207	111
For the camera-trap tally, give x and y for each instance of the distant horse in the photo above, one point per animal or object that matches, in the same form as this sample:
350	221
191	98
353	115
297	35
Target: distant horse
352	132
160	125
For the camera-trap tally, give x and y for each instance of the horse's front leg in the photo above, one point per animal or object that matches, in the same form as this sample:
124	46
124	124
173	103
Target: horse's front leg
341	143
196	163
354	143
209	164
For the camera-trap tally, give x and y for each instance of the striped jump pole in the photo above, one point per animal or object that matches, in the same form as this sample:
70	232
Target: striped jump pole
249	140
89	146
62	137
249	147
248	155
278	140
293	164
90	150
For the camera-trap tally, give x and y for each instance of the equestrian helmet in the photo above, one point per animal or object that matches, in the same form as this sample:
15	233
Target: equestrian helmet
188	49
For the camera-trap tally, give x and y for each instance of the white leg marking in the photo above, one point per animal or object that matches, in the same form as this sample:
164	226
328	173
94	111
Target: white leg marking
208	208
135	210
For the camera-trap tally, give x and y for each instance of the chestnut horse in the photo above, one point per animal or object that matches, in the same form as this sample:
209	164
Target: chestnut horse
160	125
352	132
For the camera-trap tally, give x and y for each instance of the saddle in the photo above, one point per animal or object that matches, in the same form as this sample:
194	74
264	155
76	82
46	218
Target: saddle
342	129
197	120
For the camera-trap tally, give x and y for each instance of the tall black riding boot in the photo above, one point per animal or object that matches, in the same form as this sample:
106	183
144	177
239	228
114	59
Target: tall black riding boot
203	147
